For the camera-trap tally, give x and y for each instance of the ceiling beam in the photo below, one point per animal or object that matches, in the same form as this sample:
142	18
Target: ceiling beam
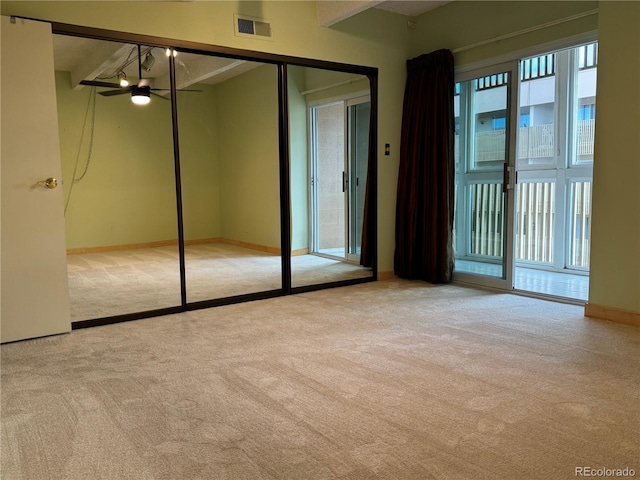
103	57
202	68
331	12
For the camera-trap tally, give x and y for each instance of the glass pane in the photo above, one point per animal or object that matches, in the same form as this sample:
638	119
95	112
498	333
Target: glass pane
119	182
481	148
330	189
229	159
535	221
329	153
489	129
359	117
584	106
537	110
555	159
580	233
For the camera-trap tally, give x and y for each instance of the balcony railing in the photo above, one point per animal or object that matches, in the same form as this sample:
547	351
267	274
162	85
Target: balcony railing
535	214
535	227
586	134
535	222
536	142
533	142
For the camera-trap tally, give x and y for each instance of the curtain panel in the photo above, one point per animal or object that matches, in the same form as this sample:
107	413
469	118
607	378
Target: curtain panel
425	195
368	243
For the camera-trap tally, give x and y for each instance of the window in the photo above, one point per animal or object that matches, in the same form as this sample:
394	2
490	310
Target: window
537	67
588	56
499	123
491	81
587	112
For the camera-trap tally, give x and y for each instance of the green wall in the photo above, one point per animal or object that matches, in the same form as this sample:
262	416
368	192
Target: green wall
476	22
128	193
615	251
249	152
299	151
199	162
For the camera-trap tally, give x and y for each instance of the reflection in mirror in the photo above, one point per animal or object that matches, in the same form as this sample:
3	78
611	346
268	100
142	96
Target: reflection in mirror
329	115
118	178
229	159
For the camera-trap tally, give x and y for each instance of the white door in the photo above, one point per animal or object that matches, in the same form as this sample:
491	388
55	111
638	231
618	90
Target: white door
35	295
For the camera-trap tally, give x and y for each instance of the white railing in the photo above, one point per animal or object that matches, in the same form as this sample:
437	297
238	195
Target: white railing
533	142
535	214
490	146
487	217
535	221
536	142
586	134
580	224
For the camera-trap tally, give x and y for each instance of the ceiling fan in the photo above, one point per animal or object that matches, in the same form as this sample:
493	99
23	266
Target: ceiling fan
140	93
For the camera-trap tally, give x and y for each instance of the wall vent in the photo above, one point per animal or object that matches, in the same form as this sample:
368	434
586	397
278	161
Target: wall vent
252	27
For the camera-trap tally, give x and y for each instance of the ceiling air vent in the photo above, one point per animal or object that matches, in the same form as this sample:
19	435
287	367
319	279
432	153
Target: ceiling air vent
252	27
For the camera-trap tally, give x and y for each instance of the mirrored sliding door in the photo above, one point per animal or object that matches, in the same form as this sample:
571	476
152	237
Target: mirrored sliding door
118	178
329	124
195	176
229	159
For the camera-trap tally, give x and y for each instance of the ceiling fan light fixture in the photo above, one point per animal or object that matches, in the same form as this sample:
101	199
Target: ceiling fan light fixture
141	95
122	79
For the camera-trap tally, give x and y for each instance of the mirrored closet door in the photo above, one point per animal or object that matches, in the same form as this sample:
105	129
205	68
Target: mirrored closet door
118	178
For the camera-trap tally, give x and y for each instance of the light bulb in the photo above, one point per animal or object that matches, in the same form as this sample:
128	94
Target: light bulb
141	95
140	99
122	79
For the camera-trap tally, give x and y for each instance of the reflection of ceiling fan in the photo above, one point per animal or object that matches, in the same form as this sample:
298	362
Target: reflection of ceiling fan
140	93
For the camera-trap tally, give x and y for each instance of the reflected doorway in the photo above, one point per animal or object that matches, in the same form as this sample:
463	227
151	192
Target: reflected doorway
339	155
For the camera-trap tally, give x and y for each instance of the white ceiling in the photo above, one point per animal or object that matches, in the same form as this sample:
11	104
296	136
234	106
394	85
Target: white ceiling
411	8
89	59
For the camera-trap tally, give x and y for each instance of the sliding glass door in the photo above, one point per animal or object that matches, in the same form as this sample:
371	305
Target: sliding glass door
358	115
538	239
484	180
557	106
339	157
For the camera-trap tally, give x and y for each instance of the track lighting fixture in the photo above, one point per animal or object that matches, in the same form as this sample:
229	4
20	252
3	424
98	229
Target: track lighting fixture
167	52
148	61
122	79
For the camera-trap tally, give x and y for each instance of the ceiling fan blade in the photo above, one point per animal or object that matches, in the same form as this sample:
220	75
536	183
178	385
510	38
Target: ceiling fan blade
179	90
160	96
119	91
97	83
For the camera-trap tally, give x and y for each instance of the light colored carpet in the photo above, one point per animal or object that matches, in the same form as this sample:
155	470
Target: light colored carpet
384	380
120	282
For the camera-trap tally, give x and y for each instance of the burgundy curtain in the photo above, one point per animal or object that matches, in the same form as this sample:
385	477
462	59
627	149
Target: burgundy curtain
425	196
368	244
